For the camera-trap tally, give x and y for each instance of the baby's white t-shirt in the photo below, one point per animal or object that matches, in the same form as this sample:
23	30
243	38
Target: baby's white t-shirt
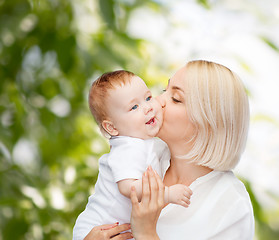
128	159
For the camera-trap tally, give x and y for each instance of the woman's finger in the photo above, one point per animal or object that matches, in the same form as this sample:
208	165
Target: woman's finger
134	199
153	187
118	229
106	226
145	189
109	231
123	236
161	193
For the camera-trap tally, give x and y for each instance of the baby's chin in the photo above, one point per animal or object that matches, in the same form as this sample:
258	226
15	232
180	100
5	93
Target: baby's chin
160	124
159	131
154	133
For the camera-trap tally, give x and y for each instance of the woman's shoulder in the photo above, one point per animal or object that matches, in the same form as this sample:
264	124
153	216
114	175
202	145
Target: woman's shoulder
229	197
232	186
221	183
230	179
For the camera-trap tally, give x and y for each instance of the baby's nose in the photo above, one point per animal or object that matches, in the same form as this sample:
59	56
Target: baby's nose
148	108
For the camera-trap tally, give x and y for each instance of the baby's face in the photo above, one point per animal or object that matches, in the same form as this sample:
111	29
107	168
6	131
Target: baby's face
133	111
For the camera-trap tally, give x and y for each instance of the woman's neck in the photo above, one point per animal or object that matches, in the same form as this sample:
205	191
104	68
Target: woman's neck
183	172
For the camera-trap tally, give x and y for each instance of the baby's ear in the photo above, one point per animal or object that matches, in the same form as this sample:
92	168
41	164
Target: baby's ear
109	127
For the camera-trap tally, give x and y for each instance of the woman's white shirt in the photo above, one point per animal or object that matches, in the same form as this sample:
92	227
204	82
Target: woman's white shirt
220	209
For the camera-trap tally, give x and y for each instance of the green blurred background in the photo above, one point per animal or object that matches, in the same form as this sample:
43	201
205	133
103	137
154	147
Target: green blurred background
50	52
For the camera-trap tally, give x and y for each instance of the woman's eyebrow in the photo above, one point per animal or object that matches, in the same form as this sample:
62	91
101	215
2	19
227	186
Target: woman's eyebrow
177	88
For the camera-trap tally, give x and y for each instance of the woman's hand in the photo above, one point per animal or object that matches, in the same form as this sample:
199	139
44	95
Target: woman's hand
109	231
145	214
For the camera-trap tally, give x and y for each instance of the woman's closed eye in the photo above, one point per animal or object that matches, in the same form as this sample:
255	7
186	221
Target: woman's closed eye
175	100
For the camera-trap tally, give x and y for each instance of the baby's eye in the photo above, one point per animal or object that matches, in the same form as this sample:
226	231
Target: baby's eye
134	107
148	98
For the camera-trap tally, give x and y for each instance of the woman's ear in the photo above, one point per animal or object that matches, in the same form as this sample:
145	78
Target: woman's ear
109	127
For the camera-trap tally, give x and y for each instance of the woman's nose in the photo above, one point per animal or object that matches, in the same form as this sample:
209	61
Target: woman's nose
161	99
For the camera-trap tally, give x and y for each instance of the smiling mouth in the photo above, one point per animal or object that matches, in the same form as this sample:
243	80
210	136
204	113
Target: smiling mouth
151	121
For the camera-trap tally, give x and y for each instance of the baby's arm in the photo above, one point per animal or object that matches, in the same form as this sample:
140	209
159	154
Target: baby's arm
177	194
125	185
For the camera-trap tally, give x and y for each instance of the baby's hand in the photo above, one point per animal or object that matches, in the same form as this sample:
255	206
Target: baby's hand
179	194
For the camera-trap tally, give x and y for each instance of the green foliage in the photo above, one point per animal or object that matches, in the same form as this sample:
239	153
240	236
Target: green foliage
204	3
49	143
107	11
263	229
270	43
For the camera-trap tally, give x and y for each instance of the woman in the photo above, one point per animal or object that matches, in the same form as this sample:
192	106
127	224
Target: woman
206	118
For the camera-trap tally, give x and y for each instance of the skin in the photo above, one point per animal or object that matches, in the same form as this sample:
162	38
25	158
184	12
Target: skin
131	108
145	214
177	130
132	111
110	231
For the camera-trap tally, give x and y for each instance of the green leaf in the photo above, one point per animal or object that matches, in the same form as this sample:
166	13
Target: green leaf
107	11
204	3
270	43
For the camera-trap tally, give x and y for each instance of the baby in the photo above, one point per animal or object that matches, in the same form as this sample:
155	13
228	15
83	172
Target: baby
124	109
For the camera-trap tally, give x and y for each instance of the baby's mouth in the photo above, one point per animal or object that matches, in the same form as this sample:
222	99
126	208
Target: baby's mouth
151	121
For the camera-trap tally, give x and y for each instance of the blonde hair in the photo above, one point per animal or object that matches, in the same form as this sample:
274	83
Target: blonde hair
218	106
100	89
